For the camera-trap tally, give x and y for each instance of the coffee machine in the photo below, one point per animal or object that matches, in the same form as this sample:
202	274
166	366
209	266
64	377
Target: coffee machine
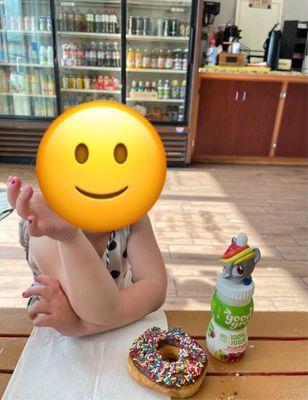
210	10
272	47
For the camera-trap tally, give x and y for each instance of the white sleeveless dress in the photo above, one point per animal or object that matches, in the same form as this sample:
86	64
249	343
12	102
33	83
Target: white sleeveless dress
114	258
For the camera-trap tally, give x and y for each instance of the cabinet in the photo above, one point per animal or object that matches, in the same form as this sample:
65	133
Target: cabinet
236	117
293	136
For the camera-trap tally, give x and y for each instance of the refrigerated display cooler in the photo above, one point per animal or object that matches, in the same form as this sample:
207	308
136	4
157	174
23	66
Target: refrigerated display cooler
55	54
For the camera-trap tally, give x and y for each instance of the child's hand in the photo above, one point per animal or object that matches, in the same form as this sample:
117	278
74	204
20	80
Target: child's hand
53	309
43	221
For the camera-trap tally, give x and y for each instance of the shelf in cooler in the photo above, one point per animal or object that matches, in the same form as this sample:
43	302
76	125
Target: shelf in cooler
27	95
158	38
163	71
91	91
130	99
115	69
26	32
90	34
17	64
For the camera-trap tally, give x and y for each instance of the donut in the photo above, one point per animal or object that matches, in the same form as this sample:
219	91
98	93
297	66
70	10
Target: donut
170	362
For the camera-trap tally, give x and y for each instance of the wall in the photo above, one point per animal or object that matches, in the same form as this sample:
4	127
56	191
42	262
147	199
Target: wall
293	9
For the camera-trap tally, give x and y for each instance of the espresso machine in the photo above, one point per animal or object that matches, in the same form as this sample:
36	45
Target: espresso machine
210	10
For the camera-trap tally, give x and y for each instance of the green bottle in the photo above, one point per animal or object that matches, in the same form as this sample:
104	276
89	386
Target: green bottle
232	303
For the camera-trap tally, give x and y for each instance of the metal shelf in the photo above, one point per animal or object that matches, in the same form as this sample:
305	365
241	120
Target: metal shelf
163	71
28	95
158	38
84	68
91	91
130	99
10	64
90	34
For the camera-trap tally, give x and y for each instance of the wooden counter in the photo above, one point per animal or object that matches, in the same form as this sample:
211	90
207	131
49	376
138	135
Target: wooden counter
251	118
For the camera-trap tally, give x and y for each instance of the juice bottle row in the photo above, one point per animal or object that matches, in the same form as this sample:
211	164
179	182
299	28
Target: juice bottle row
170	113
157	59
38	107
161	90
27	23
33	52
90	54
98	21
36	83
90	82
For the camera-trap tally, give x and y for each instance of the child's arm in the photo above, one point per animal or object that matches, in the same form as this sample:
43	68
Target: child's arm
90	288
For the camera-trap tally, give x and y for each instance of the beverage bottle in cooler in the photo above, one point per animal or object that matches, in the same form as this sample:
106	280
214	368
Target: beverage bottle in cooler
153	63
108	56
175	89
62	21
80	60
232	302
160	89
154	87
93	54
88	55
183	90
140	86
107	17
98	22
72	60
169	60
44	83
33	53
104	23
79	23
65	82
117	55
181	114
70	20
100	55
43	54
185	59
130	58
161	61
166	90
146	59
112	23
50	107
147	88
90	21
138	59
134	87
51	85
49	55
34	84
177	61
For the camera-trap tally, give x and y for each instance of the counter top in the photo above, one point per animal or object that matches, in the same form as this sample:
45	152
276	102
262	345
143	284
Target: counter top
251	74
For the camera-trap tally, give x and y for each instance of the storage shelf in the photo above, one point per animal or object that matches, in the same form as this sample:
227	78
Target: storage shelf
11	64
91	91
158	38
84	68
130	99
27	95
90	34
26	32
163	71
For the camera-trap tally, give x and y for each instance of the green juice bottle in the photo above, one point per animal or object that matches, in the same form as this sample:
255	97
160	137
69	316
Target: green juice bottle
232	302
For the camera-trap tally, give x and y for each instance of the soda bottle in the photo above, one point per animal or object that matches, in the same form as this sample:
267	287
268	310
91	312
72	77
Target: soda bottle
100	55
70	20
80	56
50	55
140	86
154	87
93	54
62	20
161	60
169	60
44	83
147	88
98	22
88	56
153	63
108	56
90	21
181	114
107	18
160	89
43	54
232	303
134	87
51	85
166	90
117	55
104	26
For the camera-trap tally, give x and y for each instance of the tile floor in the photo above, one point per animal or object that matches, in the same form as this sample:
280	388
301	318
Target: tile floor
199	210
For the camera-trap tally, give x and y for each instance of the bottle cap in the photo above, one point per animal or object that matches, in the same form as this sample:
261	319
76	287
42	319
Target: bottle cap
233	293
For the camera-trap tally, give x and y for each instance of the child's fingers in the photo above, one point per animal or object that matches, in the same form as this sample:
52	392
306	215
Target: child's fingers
48	281
44	291
42	320
22	202
13	190
39	307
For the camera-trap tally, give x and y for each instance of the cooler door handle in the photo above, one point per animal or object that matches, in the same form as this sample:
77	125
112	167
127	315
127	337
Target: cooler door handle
191	45
244	96
236	95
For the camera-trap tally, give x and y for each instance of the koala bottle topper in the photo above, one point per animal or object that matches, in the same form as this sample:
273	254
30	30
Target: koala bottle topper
239	260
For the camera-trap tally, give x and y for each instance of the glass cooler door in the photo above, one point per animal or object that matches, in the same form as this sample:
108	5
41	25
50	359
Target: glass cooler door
89	50
27	83
157	54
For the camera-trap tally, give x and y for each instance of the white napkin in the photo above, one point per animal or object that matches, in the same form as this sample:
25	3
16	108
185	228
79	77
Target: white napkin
56	367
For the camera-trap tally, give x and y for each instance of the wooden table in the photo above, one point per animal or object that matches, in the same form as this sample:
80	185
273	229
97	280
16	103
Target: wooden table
275	366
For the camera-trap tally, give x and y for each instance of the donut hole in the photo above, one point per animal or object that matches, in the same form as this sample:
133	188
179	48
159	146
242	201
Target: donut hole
168	352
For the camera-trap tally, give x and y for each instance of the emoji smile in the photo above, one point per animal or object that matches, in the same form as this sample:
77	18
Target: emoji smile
101	196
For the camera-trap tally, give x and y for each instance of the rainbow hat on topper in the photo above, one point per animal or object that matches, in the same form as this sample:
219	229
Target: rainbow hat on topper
238	251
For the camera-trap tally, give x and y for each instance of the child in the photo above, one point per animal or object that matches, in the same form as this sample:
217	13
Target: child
74	292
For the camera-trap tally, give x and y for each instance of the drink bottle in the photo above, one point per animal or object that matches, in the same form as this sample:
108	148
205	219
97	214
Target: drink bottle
232	303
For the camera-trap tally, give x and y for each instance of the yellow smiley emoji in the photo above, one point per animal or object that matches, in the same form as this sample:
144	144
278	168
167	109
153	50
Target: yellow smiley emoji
101	166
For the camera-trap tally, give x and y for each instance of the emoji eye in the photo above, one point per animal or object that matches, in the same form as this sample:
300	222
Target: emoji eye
81	153
120	153
240	270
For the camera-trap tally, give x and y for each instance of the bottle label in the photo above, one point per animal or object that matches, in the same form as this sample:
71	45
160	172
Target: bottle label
230	317
225	344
